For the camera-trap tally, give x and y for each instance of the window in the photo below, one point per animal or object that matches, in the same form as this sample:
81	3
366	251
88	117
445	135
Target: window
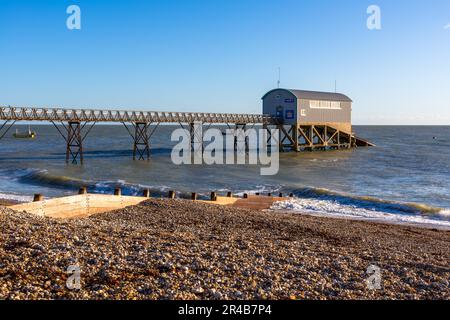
290	114
280	112
316	104
303	112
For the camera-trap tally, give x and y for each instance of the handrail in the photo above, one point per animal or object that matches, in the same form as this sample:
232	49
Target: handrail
98	115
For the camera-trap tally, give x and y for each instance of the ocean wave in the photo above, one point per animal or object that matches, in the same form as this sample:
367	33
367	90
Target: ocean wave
440	217
15	197
366	202
307	199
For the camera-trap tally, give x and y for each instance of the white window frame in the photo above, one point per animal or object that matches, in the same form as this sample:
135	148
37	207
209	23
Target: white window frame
324	104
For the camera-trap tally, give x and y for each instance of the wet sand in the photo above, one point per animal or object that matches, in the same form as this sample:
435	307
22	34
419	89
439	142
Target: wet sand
178	249
7	202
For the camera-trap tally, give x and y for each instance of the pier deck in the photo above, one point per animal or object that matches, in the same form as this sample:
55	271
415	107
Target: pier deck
74	125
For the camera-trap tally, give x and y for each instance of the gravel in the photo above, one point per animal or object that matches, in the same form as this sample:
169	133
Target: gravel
179	249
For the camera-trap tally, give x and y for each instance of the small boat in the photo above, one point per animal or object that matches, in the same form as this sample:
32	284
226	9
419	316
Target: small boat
28	135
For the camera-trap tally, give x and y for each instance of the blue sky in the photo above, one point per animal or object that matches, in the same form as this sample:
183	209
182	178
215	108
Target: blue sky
223	55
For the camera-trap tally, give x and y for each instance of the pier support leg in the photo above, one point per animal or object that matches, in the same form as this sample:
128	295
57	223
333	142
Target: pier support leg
289	135
141	148
295	137
339	140
7	126
74	147
141	138
196	136
239	134
74	139
196	140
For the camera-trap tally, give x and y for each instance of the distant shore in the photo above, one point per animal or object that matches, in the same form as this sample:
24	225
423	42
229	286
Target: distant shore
179	249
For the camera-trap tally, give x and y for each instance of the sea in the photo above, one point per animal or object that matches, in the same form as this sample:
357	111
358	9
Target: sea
404	179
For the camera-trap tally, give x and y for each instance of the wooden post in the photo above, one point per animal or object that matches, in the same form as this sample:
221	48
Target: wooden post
269	194
280	143
117	191
38	197
257	194
83	190
171	194
213	196
146	193
339	139
245	196
295	137
291	195
229	195
194	196
280	195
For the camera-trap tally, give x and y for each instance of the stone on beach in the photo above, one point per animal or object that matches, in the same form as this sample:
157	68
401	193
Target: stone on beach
178	249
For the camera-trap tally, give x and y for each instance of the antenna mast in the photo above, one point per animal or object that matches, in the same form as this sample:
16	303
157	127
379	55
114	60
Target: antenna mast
279	77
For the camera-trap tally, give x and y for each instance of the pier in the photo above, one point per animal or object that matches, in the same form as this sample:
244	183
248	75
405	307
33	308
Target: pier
74	125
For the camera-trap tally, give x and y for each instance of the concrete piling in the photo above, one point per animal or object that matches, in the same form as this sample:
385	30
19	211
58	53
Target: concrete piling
194	196
117	191
171	194
213	196
229	195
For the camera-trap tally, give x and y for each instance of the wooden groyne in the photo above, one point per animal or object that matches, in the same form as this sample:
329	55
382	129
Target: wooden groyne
85	204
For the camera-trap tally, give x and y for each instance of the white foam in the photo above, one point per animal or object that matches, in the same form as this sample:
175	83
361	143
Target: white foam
258	189
335	209
15	197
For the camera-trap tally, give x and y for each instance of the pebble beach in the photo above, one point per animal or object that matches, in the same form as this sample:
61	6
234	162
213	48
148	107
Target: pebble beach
180	249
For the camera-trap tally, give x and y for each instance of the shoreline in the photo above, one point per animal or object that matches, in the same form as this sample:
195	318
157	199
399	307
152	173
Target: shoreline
8	202
180	249
5	202
367	220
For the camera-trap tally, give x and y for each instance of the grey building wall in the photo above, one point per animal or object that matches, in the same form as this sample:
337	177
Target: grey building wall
286	101
281	102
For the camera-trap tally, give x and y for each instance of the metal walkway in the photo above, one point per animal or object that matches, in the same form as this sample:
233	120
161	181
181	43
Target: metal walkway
91	115
75	124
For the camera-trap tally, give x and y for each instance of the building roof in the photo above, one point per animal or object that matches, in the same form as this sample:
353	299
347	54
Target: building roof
315	95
